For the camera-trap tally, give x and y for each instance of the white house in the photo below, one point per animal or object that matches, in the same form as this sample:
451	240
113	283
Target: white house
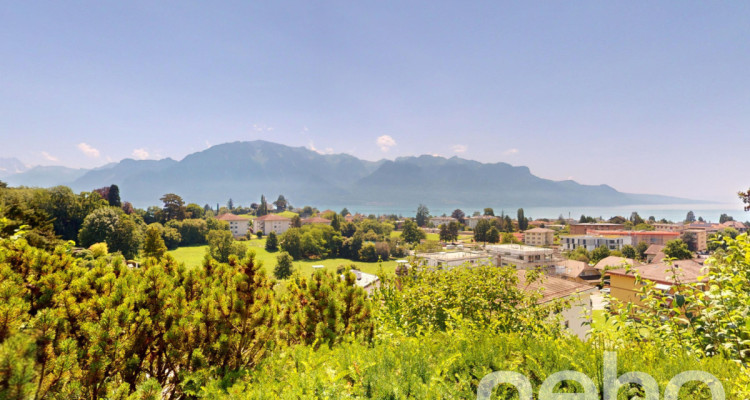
237	225
271	223
456	258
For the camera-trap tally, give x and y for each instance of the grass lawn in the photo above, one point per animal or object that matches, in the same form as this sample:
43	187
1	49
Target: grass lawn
434	236
193	257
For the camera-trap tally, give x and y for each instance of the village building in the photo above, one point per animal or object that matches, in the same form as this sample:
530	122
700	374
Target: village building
437	221
633	238
654	253
666	276
591	242
521	256
456	258
471	222
582	229
271	223
613	262
539	237
577	271
237	225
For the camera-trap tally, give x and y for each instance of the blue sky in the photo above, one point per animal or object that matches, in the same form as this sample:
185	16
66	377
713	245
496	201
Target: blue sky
647	97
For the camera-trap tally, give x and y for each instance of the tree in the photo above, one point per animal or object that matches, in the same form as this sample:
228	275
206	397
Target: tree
336	222
368	253
599	254
629	251
724	218
262	207
272	243
423	215
677	249
691	240
296	221
411	232
344	212
523	223
284	267
291	242
113	197
153	245
480	231
174	207
635	218
489	211
745	197
193	210
640	250
459	215
230	204
690	218
444	234
617	220
220	245
112	226
280	203
493	235
453	228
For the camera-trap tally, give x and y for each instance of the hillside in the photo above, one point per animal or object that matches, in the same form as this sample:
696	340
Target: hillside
245	170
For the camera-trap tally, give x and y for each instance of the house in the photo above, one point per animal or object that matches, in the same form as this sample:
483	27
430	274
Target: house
553	288
654	253
734	224
366	281
590	242
471	222
316	220
582	229
237	225
577	271
666	276
521	256
701	238
437	221
539	237
614	262
456	258
633	238
272	223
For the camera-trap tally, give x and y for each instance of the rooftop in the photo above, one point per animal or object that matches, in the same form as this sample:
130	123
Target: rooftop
552	288
273	217
517	248
231	217
455	255
684	271
614	261
539	230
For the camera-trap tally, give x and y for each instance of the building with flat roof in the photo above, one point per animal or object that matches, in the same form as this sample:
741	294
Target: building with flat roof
456	258
590	242
539	237
636	237
582	229
521	256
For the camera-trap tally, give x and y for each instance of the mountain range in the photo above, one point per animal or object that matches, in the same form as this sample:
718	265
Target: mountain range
245	170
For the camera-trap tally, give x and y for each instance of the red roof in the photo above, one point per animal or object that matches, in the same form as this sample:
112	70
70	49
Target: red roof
635	233
316	220
273	217
231	217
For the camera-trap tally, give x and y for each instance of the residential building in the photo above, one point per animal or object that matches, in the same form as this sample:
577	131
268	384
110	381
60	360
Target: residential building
437	221
577	271
701	238
624	287
237	225
316	220
539	237
734	224
456	258
612	262
669	227
471	222
654	253
590	242
272	223
578	294
633	238
582	229
521	256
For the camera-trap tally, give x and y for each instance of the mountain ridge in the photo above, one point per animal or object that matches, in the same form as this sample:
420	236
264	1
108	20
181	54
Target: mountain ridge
245	170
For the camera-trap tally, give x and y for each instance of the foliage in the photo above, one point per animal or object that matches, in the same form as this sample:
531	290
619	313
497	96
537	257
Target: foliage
284	267
153	244
313	241
325	309
423	214
99	250
368	253
629	251
489	212
745	197
411	232
677	249
640	249
481	230
174	207
493	235
690	217
459	215
111	225
272	242
523	222
221	245
599	254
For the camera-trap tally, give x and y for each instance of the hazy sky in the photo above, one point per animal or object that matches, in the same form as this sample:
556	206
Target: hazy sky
649	97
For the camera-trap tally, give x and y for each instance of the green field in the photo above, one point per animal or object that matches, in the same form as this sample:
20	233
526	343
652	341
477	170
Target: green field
433	236
193	257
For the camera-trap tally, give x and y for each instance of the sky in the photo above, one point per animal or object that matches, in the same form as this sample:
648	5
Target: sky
648	97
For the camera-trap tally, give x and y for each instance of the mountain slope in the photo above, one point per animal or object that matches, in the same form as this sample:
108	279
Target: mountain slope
245	170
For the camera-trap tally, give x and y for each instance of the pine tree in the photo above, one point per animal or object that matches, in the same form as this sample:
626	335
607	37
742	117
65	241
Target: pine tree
284	266
272	242
154	246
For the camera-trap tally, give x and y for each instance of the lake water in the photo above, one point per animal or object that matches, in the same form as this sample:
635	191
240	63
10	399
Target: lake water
672	212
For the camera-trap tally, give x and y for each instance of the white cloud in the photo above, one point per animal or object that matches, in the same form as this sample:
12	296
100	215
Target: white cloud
385	143
312	147
510	152
262	128
460	148
140	154
49	156
88	150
